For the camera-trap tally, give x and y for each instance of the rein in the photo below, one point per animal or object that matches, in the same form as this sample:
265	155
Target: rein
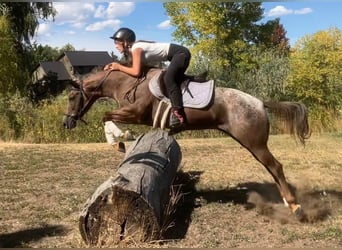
89	100
131	92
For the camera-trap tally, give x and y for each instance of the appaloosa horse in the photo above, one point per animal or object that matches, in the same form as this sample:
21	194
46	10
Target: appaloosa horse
238	114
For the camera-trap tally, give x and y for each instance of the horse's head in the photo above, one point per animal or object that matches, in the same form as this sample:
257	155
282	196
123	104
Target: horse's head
76	101
85	91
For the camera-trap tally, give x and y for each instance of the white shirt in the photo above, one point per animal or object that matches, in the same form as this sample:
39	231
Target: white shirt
152	52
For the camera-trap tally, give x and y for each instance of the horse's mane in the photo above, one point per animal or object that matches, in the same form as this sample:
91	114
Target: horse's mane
94	71
99	72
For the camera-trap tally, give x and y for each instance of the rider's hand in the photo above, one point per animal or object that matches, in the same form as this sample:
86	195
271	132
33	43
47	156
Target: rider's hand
112	66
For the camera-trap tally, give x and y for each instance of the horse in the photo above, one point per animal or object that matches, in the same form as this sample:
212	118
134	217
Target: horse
238	114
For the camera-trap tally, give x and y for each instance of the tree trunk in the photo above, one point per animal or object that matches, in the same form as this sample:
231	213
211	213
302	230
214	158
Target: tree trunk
132	203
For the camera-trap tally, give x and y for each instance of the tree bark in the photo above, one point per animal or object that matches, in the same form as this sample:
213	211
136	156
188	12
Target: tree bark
131	204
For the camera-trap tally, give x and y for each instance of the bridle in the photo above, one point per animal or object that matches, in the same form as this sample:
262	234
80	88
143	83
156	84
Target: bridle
83	107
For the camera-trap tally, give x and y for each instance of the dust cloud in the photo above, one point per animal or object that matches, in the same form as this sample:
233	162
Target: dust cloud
316	206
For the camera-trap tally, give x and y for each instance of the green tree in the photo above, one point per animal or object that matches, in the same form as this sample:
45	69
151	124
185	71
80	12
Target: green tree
23	17
23	22
267	80
8	59
315	77
67	47
40	53
220	32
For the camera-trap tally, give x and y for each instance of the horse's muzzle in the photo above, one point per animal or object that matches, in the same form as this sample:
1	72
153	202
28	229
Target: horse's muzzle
69	122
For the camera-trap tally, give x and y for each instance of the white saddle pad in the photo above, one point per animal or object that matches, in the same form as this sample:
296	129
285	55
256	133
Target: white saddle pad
197	95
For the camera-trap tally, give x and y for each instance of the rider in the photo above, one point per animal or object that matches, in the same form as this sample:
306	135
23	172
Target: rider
144	53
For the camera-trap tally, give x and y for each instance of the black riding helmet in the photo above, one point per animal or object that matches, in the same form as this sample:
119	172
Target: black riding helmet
124	35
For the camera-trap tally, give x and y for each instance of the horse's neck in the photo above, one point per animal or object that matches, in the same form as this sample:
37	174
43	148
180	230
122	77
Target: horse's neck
119	82
114	84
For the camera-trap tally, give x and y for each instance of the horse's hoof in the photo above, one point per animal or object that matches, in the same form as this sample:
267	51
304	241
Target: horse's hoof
301	216
120	146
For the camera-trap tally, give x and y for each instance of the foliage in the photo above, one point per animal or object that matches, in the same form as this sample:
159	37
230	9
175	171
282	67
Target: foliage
13	108
264	76
39	53
279	39
23	22
46	88
8	59
24	16
315	77
221	31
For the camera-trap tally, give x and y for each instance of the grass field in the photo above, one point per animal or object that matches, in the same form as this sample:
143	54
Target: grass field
44	187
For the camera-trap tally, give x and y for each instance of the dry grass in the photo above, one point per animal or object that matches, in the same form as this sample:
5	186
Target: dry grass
44	186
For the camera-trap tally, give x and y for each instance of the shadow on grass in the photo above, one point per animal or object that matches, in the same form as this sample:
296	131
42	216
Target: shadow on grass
236	195
23	237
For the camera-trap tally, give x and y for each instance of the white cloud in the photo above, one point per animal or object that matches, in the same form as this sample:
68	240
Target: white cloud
70	32
115	24
283	11
75	13
164	25
43	29
118	9
279	11
303	11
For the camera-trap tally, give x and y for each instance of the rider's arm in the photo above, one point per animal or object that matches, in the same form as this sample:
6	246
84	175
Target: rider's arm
135	69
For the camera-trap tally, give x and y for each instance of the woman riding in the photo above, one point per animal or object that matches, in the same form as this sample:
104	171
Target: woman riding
146	53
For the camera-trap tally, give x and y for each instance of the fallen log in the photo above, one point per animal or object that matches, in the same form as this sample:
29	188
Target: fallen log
132	203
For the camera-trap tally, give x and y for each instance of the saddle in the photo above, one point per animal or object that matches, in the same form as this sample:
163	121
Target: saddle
197	92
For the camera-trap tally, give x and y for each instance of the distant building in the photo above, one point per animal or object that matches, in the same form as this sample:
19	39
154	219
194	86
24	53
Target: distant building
71	63
83	62
50	78
46	68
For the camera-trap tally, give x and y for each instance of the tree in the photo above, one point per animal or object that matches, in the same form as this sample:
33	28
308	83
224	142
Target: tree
8	59
23	22
220	32
23	17
279	39
315	77
67	47
40	53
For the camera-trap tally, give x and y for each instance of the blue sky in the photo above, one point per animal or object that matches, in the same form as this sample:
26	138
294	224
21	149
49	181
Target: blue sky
89	25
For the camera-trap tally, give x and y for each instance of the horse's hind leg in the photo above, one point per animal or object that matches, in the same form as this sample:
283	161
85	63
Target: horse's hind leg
274	167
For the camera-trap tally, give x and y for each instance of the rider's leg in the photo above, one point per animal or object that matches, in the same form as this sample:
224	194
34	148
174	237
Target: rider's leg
173	78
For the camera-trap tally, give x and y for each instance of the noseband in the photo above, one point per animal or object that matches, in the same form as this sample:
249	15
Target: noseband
84	107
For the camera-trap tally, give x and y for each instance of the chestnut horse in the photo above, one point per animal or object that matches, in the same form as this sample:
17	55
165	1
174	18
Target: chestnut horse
237	114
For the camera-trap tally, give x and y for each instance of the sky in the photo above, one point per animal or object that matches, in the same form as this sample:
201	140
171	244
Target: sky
88	25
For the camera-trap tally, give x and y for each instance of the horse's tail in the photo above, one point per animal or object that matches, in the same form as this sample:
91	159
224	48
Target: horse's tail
294	115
